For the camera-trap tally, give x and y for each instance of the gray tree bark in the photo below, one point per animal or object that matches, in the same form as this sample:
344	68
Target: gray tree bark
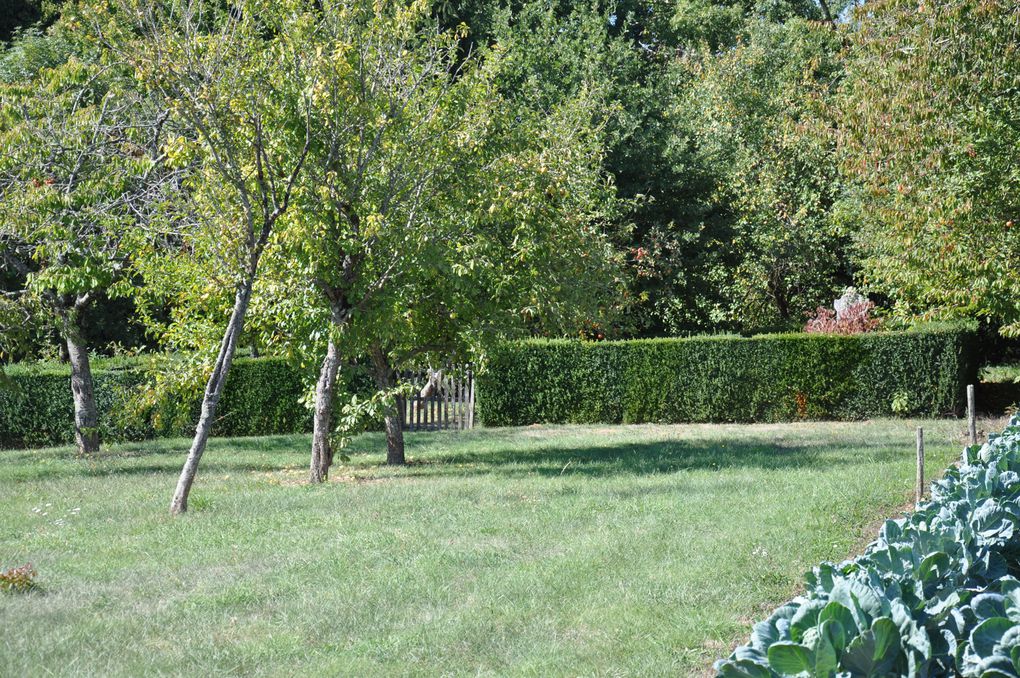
322	452
213	392
385	380
86	415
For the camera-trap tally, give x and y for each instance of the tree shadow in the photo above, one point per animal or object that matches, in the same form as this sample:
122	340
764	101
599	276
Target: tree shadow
515	453
614	457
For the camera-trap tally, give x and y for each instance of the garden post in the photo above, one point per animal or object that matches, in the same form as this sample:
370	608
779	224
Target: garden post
971	415
920	465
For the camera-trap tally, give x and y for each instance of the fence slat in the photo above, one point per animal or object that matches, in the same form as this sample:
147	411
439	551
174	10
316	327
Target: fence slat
446	403
449	406
458	419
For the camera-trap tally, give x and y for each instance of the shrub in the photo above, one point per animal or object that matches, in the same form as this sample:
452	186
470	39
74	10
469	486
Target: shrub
18	579
934	595
705	379
262	397
36	406
854	319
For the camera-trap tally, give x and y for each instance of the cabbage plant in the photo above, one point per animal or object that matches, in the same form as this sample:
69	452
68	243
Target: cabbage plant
935	594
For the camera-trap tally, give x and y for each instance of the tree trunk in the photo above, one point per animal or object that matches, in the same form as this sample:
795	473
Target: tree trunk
86	416
394	436
322	453
213	391
62	353
384	380
826	14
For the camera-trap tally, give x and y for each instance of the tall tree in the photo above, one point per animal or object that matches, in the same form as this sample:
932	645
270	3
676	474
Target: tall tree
931	137
758	114
423	183
236	82
679	227
79	162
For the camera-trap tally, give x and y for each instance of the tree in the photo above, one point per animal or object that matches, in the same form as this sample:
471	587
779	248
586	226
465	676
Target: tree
678	228
236	83
930	136
79	162
523	249
757	111
427	197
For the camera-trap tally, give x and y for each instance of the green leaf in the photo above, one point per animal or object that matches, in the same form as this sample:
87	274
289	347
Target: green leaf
742	668
989	606
986	635
887	638
805	618
839	613
933	566
873	653
831	641
791	659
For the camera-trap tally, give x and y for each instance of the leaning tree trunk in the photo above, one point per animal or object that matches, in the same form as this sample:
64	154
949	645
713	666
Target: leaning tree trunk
322	452
86	415
213	392
385	381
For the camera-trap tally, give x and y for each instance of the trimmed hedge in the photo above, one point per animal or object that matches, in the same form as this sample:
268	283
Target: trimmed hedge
262	397
935	595
728	379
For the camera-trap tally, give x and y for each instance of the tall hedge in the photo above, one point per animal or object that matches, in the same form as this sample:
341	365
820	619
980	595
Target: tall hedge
262	397
728	379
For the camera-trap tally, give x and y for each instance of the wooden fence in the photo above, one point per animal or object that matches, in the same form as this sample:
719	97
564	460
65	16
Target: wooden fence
440	399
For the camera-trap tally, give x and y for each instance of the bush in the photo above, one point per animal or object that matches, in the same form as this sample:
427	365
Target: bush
728	379
262	397
934	595
18	579
855	319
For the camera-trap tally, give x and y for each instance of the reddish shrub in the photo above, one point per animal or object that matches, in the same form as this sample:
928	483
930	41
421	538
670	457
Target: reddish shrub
855	319
18	579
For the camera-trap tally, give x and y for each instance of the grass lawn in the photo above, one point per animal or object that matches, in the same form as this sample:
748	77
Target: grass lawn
559	550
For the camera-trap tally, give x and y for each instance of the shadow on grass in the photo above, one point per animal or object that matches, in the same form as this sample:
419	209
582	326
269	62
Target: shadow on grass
632	458
507	452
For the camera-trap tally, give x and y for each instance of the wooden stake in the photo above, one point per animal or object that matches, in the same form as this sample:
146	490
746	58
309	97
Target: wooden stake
971	415
920	465
471	398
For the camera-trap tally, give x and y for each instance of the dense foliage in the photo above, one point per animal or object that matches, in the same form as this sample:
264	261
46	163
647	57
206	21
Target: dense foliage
930	142
935	595
725	378
763	155
400	180
263	396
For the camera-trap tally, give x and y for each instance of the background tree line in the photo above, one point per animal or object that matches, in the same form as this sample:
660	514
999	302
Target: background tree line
764	154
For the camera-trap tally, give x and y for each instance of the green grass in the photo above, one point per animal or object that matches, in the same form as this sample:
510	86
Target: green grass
627	550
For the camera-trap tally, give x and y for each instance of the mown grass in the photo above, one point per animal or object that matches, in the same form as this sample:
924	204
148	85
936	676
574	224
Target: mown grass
629	550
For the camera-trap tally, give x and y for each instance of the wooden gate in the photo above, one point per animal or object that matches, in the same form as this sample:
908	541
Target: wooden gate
440	399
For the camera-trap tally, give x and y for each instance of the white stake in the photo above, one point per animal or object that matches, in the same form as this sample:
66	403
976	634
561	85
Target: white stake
971	415
920	465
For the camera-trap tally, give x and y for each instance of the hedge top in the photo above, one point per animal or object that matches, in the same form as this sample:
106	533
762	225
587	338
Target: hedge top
780	377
